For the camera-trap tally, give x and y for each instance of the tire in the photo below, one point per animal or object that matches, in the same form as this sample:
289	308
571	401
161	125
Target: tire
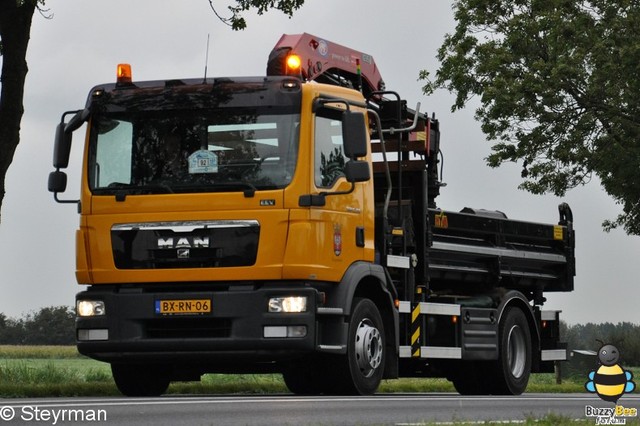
360	371
306	376
140	380
513	367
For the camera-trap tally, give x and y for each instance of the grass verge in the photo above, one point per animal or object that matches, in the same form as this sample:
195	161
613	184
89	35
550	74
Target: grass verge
39	371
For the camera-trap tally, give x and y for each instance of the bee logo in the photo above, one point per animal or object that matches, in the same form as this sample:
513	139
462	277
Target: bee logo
610	381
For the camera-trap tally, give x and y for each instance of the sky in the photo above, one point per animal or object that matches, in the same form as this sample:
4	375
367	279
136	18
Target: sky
83	42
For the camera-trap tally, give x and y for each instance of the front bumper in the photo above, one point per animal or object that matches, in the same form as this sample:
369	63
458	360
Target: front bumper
239	327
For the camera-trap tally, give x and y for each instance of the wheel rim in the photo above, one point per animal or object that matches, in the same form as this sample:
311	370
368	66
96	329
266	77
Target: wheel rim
517	351
368	347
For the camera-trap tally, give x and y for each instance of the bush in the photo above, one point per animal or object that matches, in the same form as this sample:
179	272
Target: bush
625	336
53	325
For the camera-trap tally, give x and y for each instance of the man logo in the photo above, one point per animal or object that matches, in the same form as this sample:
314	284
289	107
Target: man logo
183	243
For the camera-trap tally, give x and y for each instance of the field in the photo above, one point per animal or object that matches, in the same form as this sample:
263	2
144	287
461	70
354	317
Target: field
39	371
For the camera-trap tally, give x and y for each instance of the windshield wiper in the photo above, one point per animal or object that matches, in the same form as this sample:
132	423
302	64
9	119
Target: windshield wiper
121	190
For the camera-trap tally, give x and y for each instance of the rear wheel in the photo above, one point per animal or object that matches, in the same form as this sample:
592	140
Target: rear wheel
360	370
513	367
140	380
472	378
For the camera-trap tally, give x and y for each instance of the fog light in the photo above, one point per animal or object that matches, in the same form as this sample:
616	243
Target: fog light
288	304
296	331
90	308
284	331
93	334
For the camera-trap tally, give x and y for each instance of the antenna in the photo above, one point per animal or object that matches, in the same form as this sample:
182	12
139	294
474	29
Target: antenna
206	60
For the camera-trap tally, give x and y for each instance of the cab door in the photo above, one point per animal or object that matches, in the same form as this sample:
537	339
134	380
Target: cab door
340	224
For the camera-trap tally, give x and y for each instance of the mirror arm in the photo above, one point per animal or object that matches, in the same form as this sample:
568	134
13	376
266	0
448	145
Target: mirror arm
58	200
319	200
79	118
348	191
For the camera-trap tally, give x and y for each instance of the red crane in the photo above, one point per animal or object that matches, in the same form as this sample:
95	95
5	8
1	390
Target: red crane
325	62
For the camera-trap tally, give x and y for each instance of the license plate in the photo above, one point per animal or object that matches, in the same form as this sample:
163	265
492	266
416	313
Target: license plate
183	306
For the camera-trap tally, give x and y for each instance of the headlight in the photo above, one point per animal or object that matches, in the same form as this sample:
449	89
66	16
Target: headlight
288	304
90	308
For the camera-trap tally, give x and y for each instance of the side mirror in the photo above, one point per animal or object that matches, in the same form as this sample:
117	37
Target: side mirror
357	171
61	147
354	134
57	181
62	150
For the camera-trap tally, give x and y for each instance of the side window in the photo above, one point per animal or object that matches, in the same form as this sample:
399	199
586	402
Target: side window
113	154
329	151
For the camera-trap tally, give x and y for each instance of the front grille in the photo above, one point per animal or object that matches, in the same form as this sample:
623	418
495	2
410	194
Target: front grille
174	245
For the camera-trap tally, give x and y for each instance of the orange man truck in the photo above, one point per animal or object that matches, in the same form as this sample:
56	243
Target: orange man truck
288	224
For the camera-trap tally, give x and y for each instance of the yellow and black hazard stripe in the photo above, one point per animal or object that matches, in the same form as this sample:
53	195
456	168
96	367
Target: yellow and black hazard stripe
415	331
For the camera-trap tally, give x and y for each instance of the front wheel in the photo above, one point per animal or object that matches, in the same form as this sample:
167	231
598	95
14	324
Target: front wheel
140	380
513	367
307	376
362	368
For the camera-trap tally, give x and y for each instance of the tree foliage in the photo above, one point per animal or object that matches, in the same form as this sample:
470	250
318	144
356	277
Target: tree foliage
625	336
53	325
237	21
557	82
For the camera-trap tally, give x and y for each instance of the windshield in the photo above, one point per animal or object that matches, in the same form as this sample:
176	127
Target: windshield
146	151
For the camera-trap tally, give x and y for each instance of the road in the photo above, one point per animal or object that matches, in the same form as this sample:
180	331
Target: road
387	409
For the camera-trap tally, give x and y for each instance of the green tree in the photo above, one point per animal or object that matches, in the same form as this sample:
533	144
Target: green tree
53	325
11	331
557	83
625	336
237	21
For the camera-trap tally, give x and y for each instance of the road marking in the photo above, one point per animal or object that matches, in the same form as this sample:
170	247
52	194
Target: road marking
258	399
